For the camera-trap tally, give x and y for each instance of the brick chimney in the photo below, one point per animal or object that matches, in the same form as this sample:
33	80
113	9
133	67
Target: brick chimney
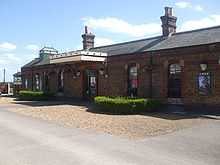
88	39
168	22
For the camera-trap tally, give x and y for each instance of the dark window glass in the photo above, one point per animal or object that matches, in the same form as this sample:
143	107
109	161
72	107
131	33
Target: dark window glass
174	69
132	81
174	81
37	81
60	81
46	82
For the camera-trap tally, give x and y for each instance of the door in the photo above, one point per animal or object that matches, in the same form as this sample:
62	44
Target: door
90	90
174	81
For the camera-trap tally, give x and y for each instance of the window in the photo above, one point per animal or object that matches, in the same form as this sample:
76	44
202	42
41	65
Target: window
174	69
46	79
132	81
60	81
37	82
93	85
26	83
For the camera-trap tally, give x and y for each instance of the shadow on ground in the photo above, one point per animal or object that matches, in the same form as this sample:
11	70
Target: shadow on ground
168	112
176	112
54	102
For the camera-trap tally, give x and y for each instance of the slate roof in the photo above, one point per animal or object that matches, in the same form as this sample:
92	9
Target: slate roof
182	39
17	74
43	61
178	40
31	63
128	47
190	38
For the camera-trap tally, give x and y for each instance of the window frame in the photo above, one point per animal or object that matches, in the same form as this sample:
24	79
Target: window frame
61	81
132	76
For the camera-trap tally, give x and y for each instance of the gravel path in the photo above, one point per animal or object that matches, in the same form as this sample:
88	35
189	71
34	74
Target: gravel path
6	100
128	126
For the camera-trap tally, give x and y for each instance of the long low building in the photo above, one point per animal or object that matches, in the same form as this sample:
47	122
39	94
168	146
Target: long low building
175	67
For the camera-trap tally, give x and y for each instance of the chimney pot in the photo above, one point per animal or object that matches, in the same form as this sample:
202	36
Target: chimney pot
88	39
86	30
168	11
168	22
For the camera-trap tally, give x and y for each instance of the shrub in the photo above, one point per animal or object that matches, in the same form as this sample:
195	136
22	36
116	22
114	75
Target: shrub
33	95
122	105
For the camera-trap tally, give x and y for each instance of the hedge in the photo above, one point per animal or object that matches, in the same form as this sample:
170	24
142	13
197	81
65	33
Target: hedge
33	95
123	105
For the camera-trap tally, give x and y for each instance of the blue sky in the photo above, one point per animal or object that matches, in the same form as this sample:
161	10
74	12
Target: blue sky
28	25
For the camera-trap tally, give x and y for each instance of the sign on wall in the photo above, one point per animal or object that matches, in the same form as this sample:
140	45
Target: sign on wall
204	83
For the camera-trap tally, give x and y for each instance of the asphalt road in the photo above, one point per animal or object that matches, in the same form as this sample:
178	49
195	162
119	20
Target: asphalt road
28	141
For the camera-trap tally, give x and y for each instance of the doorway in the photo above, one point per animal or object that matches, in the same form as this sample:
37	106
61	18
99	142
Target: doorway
174	81
90	81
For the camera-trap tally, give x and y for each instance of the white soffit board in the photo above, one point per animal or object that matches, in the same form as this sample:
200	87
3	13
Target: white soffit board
92	58
77	59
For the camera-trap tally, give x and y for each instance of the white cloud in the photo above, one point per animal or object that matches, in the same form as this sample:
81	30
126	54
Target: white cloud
183	4
103	41
2	61
10	58
12	62
117	25
32	47
6	46
212	20
198	8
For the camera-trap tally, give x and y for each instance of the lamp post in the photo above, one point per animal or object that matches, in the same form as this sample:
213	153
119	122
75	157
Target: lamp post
203	66
4	75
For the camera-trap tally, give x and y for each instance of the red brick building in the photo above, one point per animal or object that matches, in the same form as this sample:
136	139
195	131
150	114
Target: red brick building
174	67
3	88
6	88
17	83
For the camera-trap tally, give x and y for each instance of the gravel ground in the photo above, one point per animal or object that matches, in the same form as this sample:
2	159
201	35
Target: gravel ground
6	100
128	126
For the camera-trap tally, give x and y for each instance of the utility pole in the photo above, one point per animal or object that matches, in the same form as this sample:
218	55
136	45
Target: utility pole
4	76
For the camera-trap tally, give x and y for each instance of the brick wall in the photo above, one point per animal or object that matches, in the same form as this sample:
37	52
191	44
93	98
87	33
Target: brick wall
72	85
118	74
152	79
190	60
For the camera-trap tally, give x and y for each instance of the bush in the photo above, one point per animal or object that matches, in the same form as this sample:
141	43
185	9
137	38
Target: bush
122	105
33	95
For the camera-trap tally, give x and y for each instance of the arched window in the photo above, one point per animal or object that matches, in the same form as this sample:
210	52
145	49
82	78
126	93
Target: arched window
26	83
61	81
132	80
46	80
37	81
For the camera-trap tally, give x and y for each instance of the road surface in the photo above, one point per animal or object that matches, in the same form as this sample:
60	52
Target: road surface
29	141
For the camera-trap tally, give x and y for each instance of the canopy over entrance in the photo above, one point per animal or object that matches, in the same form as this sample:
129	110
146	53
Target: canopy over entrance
78	56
